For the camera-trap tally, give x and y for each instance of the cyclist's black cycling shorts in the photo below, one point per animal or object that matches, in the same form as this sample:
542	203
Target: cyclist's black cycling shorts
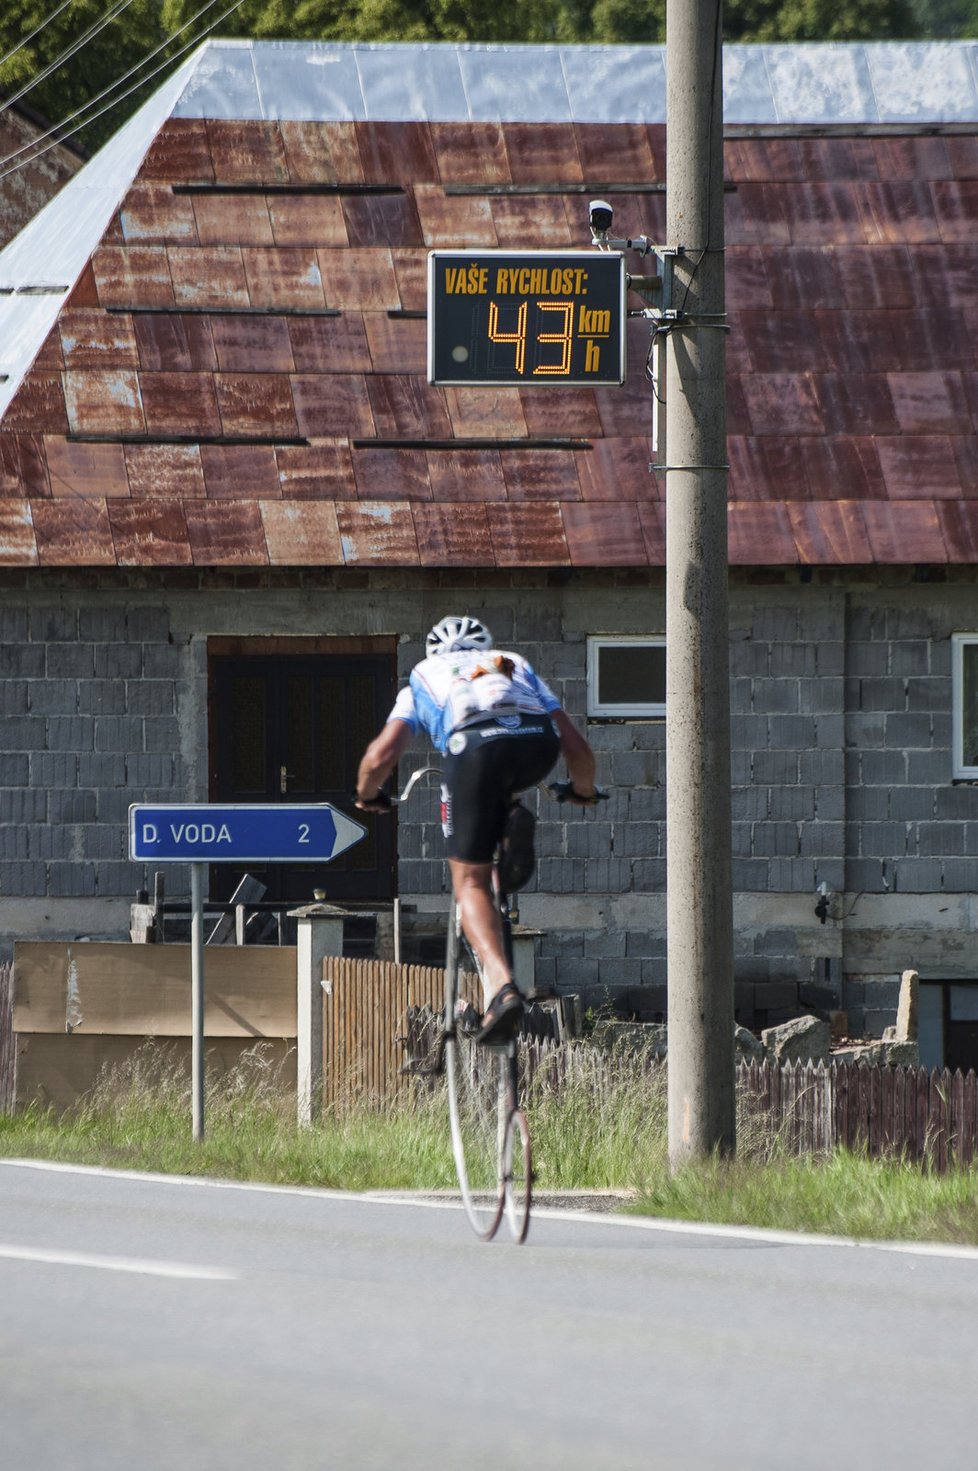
485	766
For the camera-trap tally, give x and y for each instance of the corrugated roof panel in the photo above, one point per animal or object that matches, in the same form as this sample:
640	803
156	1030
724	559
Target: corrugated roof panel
606	84
517	84
919	81
411	83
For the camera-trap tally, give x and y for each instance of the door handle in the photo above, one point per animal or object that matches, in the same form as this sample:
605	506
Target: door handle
283	779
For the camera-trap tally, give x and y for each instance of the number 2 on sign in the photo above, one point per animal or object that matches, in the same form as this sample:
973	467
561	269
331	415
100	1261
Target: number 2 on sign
303	832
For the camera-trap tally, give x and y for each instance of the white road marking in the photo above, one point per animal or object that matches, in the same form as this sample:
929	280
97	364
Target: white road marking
760	1234
116	1263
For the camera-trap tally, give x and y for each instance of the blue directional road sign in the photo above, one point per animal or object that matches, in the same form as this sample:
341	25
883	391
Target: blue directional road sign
240	833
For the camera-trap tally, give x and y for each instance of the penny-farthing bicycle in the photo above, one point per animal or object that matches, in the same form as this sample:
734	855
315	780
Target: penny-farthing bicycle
490	1134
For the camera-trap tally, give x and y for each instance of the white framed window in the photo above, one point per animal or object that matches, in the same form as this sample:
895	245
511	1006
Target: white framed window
626	677
964	686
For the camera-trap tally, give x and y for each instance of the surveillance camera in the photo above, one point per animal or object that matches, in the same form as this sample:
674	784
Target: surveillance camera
600	215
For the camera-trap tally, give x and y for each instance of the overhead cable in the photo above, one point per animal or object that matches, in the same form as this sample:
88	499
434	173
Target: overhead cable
57	130
67	54
194	41
36	31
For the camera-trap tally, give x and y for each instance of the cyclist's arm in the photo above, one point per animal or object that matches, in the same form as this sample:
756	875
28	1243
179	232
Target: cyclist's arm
577	753
379	760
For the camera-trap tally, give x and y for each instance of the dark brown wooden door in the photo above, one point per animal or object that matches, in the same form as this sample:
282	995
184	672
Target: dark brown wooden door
291	728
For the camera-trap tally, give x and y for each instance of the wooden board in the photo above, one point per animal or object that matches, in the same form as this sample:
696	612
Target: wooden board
57	1070
128	990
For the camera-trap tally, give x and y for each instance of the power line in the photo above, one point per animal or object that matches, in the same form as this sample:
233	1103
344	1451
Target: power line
123	95
58	61
57	128
35	32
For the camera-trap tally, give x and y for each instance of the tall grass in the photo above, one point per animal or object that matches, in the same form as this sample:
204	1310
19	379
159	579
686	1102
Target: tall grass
601	1128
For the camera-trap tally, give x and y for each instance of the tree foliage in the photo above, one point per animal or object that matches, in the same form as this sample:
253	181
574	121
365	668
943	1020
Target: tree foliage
147	24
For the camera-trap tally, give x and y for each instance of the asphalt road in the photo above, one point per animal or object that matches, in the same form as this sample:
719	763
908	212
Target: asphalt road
151	1323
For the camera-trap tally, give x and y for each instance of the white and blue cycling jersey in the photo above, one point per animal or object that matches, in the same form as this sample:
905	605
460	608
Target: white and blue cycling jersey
449	691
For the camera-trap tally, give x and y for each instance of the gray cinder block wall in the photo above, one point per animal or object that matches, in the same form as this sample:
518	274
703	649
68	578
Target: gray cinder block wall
841	765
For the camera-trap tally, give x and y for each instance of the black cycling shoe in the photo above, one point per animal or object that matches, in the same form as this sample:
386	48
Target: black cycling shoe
502	1017
516	858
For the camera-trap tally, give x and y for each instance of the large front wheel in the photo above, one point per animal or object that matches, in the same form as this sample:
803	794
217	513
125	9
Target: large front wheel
479	1112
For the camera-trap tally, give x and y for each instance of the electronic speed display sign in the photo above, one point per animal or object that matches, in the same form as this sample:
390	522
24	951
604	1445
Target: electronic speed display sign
526	316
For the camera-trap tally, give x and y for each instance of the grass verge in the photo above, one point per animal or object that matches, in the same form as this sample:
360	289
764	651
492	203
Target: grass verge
588	1134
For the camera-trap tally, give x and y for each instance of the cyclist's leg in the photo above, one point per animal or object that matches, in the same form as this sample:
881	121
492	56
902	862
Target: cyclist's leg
472	886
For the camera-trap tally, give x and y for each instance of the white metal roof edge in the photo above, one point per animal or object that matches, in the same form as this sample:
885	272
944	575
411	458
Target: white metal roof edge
54	247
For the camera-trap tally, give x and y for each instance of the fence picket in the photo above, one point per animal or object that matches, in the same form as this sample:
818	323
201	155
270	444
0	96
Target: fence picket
969	1118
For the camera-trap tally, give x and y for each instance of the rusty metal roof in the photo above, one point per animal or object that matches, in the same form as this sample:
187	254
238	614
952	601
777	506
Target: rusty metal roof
236	376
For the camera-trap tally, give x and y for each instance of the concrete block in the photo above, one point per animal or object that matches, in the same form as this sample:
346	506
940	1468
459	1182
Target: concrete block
55	623
66	880
101	697
72	806
957	803
829	804
107	841
14	842
70	661
940	839
821	696
883	840
775	768
749	875
905	621
645	804
112	805
122	733
793	660
775	839
13	625
791	803
867	658
13	697
865	729
101	769
906	731
775	696
118	661
821	768
115	879
910	804
749	658
639	840
883	768
24	732
561	875
23	804
748	732
910	657
925	767
958	875
102	624
605	942
162	661
148	625
792	875
47	769
749	804
23	879
649	874
151	771
941	732
608	875
654	971
53	696
830	657
776	622
885	693
150	696
799	732
70	733
159	734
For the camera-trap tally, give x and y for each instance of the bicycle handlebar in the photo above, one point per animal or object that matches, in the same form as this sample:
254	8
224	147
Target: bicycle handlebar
559	791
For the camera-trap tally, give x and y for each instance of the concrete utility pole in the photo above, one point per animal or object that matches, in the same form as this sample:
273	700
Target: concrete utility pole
702	1114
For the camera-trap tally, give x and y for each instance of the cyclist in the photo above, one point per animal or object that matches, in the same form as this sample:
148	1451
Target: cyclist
499	728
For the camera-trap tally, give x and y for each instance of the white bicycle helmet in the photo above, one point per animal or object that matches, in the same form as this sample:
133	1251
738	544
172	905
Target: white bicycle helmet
457	633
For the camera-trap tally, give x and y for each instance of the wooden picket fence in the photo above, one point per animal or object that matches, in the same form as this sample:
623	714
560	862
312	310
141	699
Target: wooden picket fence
909	1113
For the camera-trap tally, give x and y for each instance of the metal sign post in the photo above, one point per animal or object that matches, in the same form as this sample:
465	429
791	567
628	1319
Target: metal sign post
202	833
197	996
